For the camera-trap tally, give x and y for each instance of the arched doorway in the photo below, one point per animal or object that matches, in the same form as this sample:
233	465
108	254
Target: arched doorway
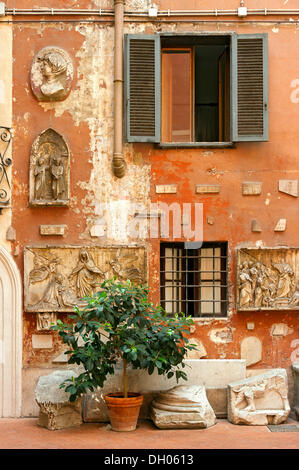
10	336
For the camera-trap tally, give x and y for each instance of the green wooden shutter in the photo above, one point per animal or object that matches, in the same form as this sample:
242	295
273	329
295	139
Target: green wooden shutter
249	92
142	88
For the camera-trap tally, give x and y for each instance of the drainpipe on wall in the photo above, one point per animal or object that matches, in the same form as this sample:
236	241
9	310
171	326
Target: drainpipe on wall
118	161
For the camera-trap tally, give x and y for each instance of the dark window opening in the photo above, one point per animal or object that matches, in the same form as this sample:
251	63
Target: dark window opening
195	89
194	281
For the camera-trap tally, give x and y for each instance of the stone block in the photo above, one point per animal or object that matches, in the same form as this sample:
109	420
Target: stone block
288	187
281	225
213	374
207	189
183	407
259	400
251	188
295	369
56	411
166	188
251	350
255	226
52	229
42	341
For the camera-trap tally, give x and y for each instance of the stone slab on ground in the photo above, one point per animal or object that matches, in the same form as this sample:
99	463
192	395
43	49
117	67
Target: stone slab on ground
183	407
213	374
56	411
259	400
295	369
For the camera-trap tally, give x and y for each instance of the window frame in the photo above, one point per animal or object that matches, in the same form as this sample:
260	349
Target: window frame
234	137
224	276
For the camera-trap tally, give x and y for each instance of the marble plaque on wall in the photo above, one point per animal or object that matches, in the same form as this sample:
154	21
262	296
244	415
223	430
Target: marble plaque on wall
267	279
56	278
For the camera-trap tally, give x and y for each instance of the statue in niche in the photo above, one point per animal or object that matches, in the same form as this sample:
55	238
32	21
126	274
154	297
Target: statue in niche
87	274
49	170
51	74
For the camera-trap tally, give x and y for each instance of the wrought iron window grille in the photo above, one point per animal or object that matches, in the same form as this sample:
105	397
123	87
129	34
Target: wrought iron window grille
5	163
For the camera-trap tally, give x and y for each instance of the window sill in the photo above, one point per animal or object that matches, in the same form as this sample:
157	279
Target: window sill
203	145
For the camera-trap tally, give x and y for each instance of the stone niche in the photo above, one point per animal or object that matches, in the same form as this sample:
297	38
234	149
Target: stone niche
49	174
56	278
267	279
51	74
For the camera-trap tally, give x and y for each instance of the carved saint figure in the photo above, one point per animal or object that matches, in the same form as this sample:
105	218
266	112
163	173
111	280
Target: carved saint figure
53	67
285	279
294	300
40	178
57	173
245	285
87	274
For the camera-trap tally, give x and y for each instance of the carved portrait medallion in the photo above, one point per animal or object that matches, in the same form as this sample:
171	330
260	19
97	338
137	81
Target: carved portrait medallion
51	74
49	170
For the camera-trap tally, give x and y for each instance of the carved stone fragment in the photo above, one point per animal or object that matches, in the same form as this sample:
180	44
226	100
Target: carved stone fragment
166	188
255	226
251	188
57	278
207	189
52	229
45	321
259	400
268	279
251	350
56	411
288	187
295	367
49	170
183	407
51	74
281	225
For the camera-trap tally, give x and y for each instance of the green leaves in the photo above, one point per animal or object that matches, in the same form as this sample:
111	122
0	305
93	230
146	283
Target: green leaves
135	329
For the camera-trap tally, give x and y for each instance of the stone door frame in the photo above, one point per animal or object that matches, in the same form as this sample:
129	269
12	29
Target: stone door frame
10	337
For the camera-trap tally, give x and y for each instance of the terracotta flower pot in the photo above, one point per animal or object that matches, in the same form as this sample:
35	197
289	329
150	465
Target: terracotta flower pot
123	412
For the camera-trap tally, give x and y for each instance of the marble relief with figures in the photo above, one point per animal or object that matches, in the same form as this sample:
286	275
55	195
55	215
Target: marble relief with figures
56	278
49	170
268	279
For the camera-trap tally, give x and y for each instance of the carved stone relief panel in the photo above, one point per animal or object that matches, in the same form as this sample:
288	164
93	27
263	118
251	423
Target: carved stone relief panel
56	278
268	279
49	170
51	74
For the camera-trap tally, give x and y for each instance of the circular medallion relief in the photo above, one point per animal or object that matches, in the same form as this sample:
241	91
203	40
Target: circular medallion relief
51	74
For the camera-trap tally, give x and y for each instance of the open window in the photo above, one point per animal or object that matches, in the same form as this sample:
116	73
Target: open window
196	89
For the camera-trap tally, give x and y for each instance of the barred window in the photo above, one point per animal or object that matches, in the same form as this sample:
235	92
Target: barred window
194	281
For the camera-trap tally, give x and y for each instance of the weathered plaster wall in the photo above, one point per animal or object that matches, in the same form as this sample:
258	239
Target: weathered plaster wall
85	119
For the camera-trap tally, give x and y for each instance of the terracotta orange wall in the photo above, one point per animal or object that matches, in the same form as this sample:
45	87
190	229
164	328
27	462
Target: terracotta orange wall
267	162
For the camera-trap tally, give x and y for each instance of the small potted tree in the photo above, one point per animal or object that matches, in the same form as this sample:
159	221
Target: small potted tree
135	332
